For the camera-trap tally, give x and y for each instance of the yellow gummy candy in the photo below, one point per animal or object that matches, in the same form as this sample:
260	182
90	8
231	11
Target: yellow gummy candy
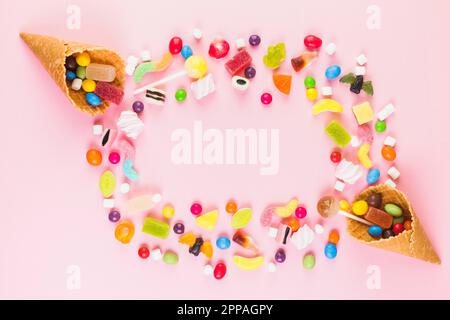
363	155
208	220
107	184
288	209
248	263
326	105
241	218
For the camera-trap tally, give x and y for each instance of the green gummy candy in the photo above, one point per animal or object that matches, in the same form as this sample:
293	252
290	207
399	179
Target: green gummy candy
156	228
309	261
338	133
170	258
142	69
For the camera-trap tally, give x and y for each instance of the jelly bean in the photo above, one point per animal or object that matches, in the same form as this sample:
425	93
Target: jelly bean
333	237
250	72
310	82
398	220
407	225
373	175
280	256
143	252
311	94
266	98
219	48
196	209
360	207
300	212
393	210
70	75
180	95
388	153
335	157
309	261
375	231
186	51
312	42
94	157
170	257
114	157
124	232
374	200
344	205
178	228
168	212
138	106
223	243
254	40
83	59
71	63
332	72
231	207
387	233
107	184
330	251
294	224
93	99
380	126
398	228
220	270
114	216
81	73
175	45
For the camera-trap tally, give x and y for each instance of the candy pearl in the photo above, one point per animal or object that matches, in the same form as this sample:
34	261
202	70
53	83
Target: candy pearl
398	228
175	45
335	157
280	256
254	40
196	209
114	157
138	106
300	212
143	252
114	216
266	98
250	72
178	228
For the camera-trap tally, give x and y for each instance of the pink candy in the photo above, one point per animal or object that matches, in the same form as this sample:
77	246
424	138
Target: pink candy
240	61
196	209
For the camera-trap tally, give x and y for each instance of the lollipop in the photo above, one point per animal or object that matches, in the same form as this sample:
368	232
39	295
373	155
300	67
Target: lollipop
195	67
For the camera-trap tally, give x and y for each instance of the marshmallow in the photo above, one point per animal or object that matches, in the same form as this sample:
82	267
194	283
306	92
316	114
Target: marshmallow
129	69
339	186
156	254
197	33
361	59
272	267
240	43
393	173
208	270
97	129
145	56
390	183
108	203
156	198
124	188
389	141
331	48
355	143
327	91
132	61
386	112
76	84
318	229
273	232
360	71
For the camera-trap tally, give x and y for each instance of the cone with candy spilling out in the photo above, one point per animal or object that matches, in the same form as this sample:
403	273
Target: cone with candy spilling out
413	243
52	53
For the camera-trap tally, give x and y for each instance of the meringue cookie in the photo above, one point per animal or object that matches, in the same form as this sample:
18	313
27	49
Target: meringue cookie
130	124
303	237
204	86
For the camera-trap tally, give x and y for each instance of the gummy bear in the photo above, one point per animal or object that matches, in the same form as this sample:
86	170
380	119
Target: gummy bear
275	55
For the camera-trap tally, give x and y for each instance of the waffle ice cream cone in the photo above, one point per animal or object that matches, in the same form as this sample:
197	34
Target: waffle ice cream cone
413	243
52	53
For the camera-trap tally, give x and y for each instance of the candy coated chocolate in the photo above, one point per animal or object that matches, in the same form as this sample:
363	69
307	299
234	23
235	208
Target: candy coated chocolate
374	200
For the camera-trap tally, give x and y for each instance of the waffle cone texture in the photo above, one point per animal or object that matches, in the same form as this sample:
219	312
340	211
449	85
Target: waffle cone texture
413	243
52	53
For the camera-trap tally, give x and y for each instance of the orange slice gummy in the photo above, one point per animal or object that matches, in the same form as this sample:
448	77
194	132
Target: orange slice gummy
282	82
188	239
207	249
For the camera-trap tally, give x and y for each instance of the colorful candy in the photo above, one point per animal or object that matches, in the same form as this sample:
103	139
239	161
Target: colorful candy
240	83
393	210
83	59
363	155
388	233
245	241
130	124
101	72
239	62
326	105
275	55
114	216
280	255
244	263
374	200
373	176
107	184
375	231
282	82
288	209
114	157
303	237
203	87
231	207
152	66
196	209
92	99
312	42
335	156
398	228
143	252
178	228
138	106
109	92
379	217
327	206
220	271
333	237
380	126
175	45
254	40
186	51
208	220
94	157
363	112
156	228
309	82
312	94
180	95
330	251
219	48
250	72
300	212
332	72
223	243
168	211
241	218
170	257
309	261
303	60
338	133
124	231
388	153
266	98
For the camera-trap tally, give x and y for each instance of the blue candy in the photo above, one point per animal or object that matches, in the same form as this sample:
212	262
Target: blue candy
333	72
93	99
223	243
330	251
375	231
372	176
129	171
70	75
186	51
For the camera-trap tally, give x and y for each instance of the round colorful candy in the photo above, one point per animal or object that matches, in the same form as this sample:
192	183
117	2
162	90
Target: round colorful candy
332	72
360	207
220	270
388	153
196	209
93	99
114	216
180	95
254	40
138	106
94	157
300	212
330	251
250	72
124	232
231	207
312	94
407	225
71	63
170	257
398	228
114	157
144	252
387	234
88	85
178	228
380	126
83	59
333	237
344	205
374	200
375	231
310	82
266	98
312	42
81	73
335	157
280	256
294	224
223	243
175	45
168	212
373	175
186	51
309	261
70	75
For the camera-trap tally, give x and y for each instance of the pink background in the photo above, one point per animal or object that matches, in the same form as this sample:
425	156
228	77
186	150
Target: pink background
52	214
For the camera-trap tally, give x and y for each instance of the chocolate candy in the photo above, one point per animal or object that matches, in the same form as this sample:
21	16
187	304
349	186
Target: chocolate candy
374	200
388	233
379	218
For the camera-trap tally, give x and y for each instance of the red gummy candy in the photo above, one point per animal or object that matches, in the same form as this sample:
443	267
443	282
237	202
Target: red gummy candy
109	92
241	60
219	48
312	42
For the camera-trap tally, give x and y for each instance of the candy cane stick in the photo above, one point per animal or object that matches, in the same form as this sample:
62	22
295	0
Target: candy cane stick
351	216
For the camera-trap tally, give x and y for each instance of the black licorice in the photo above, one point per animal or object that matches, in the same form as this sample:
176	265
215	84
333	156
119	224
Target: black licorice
356	86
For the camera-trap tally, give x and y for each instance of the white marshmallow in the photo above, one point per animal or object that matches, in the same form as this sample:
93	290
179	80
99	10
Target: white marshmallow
318	229
97	129
208	270
339	186
389	141
331	48
129	69
197	33
108	203
156	198
76	84
124	188
390	183
132	60
240	43
361	59
354	142
146	56
360	71
156	254
327	91
273	232
271	267
386	112
393	173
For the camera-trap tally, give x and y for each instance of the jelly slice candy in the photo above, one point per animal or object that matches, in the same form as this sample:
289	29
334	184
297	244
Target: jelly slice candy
240	61
124	232
100	72
338	133
188	239
208	220
248	263
109	92
207	249
282	82
156	228
107	184
303	60
241	218
275	55
324	105
153	66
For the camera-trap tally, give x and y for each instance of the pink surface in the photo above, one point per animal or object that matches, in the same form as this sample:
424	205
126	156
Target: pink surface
52	215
